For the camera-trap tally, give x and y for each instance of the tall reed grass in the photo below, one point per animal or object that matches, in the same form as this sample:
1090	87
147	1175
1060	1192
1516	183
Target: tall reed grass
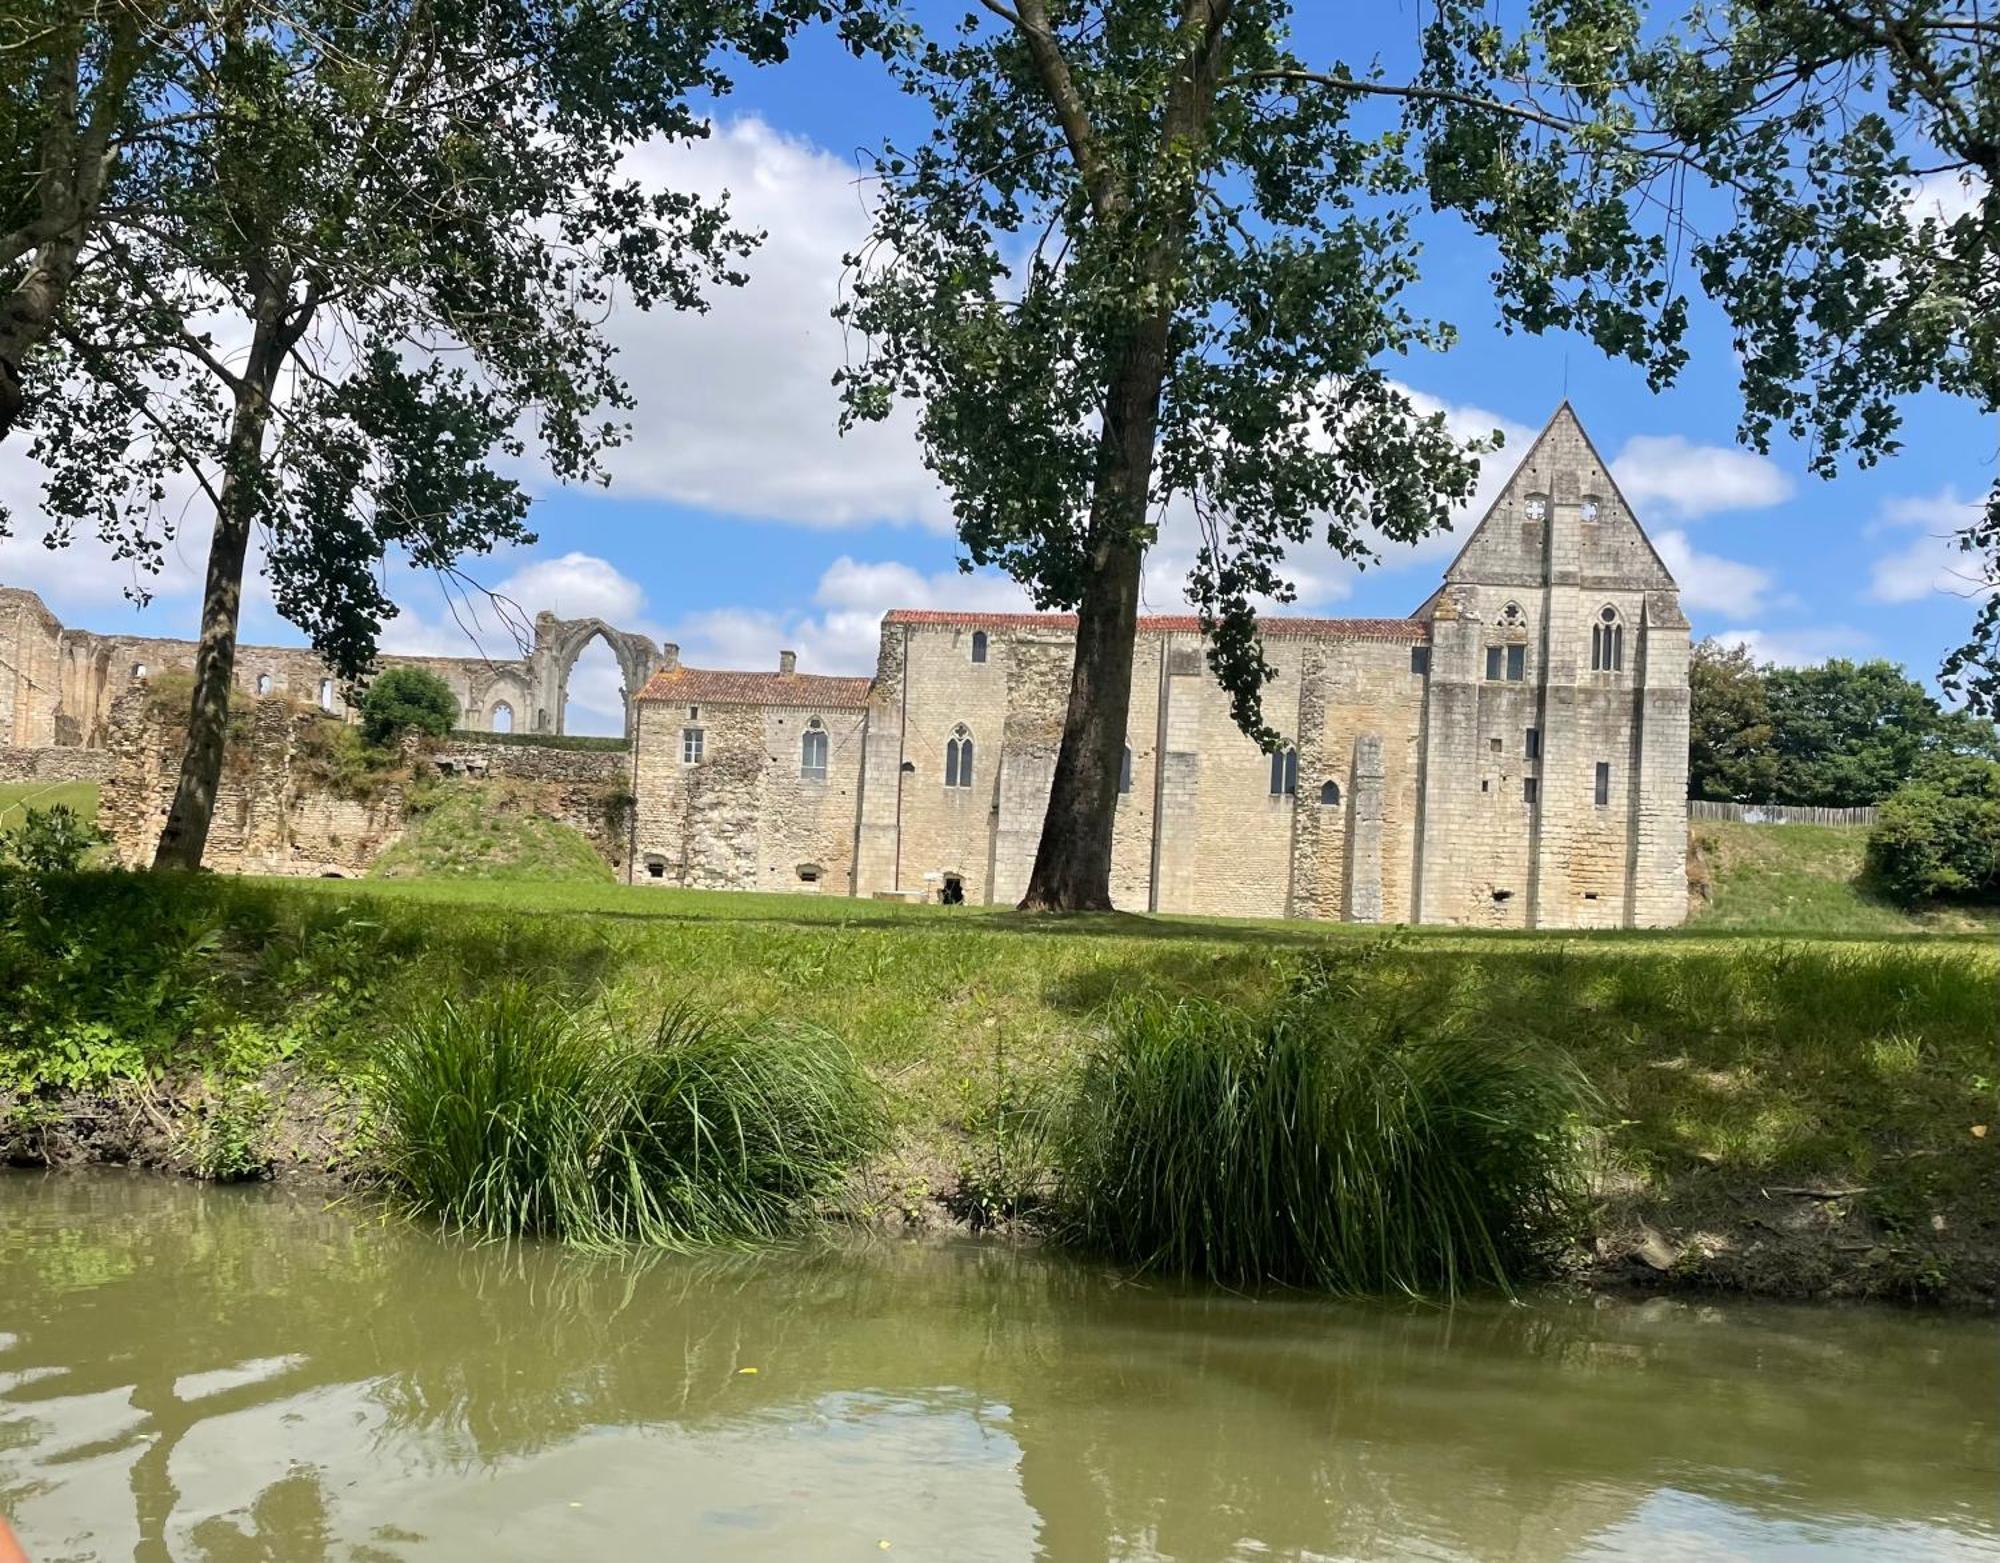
1308	1143
510	1113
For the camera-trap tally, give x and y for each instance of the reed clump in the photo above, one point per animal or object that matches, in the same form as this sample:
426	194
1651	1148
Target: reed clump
1310	1143
512	1113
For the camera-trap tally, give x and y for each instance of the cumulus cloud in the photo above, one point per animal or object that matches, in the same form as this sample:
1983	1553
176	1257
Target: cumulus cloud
1710	583
1930	562
736	408
1800	647
842	636
576	586
1668	474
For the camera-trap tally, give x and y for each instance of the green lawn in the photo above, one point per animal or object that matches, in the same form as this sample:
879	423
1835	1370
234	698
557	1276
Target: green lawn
16	798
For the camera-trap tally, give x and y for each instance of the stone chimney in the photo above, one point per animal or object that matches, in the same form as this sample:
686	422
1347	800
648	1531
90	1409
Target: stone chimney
670	656
788	663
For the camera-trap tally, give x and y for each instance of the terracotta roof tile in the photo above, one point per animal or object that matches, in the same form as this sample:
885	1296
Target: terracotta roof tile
692	686
1174	623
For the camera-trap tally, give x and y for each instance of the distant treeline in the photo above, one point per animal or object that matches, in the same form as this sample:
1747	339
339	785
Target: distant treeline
1841	735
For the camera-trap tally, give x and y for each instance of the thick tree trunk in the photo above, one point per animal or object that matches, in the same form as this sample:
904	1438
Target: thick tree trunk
1073	861
27	315
185	835
76	161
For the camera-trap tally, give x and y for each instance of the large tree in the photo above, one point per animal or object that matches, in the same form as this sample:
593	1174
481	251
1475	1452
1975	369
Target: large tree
1133	268
370	255
1730	757
1151	255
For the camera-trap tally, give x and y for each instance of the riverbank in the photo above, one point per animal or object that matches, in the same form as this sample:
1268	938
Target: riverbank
1798	1116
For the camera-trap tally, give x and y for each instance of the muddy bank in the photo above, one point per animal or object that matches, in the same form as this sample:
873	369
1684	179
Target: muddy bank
1706	1232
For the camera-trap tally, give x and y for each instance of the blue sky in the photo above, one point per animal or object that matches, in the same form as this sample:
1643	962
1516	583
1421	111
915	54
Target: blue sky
740	522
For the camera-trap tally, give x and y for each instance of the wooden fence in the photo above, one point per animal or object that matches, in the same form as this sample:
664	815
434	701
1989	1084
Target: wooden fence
1778	813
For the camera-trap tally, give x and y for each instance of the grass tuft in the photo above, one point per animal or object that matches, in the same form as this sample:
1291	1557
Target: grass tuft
510	1114
1311	1144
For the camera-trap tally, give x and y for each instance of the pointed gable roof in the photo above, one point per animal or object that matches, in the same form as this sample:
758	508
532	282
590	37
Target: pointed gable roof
1563	462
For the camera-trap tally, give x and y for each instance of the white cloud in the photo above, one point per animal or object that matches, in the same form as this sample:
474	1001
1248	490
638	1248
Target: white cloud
1931	562
576	586
1946	196
1711	584
841	638
736	409
1800	647
1668	474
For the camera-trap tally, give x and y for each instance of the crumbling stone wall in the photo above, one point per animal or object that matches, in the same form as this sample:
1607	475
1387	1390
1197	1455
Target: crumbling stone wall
273	815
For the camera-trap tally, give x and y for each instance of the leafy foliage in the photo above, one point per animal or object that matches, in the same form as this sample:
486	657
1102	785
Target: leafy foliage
1838	735
1313	1144
512	1114
1730	758
1150	192
54	840
1938	836
402	700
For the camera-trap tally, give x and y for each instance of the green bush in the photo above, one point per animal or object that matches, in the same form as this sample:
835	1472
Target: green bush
50	841
1311	1143
402	700
1938	836
511	1114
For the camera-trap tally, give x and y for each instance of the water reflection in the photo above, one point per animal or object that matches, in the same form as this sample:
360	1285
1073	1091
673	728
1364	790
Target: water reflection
207	1374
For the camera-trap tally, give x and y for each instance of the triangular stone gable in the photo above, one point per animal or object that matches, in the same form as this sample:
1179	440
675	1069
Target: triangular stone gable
1507	548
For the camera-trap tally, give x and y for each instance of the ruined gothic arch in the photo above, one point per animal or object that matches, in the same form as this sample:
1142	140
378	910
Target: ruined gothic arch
558	643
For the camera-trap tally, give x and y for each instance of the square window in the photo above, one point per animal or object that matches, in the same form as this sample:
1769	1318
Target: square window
1517	663
1493	744
1493	660
1603	782
1420	659
691	738
1530	789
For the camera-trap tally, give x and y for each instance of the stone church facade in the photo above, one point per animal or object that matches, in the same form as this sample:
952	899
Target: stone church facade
1513	754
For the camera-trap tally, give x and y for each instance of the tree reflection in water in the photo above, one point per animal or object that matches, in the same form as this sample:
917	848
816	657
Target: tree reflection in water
289	1381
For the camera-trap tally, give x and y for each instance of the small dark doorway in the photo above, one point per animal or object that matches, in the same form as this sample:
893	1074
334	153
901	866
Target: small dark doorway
953	893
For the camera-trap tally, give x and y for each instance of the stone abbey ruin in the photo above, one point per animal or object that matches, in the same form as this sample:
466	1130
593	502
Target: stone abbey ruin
1512	754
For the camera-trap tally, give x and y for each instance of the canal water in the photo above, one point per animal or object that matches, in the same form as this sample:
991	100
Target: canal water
228	1375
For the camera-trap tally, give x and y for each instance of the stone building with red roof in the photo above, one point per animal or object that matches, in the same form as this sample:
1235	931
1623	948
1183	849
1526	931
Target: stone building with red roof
1513	754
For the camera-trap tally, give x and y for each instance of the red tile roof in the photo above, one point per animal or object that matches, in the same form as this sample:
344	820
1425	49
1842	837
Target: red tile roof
692	686
1275	625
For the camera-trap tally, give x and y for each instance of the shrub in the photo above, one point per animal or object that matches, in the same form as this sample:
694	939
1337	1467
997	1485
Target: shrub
509	1114
1312	1144
401	700
1938	835
50	841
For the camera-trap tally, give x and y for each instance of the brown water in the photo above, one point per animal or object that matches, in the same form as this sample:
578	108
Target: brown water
212	1374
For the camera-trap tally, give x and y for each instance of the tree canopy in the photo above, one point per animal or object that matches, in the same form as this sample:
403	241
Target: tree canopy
401	700
1840	734
337	264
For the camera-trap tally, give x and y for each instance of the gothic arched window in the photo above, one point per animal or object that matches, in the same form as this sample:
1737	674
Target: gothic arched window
979	645
1329	794
1285	773
812	751
958	757
1607	642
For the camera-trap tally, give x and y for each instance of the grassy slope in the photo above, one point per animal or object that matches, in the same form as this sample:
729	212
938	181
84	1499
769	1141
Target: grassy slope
479	834
16	798
1743	1077
1805	879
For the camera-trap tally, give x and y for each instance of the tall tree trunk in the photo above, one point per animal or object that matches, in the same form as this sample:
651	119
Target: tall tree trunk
1073	861
76	161
185	835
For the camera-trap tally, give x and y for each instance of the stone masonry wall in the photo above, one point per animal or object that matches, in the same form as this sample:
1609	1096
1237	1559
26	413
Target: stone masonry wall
273	817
